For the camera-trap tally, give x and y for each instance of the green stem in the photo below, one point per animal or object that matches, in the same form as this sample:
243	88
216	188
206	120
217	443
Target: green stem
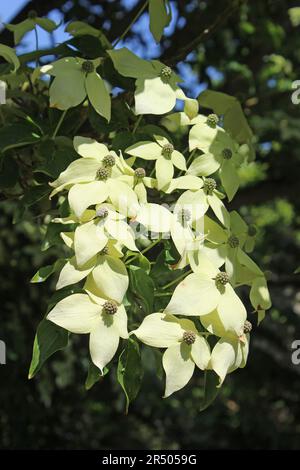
176	280
144	250
59	123
163	294
188	160
132	22
137	123
152	172
36	45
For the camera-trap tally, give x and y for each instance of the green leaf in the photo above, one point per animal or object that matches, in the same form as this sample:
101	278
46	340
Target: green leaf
16	135
21	29
130	371
9	172
43	273
139	260
49	339
297	271
35	194
10	56
234	118
79	28
142	286
46	24
98	95
211	381
229	179
130	65
56	157
52	236
160	17
94	375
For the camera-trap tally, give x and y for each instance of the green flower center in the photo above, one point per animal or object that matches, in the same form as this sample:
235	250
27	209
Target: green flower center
102	174
184	215
252	230
222	279
88	66
110	307
233	241
167	150
32	14
227	154
247	326
166	73
109	161
209	185
189	337
102	213
140	173
212	120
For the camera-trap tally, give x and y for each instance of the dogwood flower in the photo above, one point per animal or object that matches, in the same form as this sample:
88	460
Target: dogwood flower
206	290
72	273
74	80
29	24
165	155
156	84
185	347
137	179
220	152
189	116
92	179
104	321
228	355
91	237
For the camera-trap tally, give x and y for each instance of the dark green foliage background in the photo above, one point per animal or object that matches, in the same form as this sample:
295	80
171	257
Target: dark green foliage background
259	405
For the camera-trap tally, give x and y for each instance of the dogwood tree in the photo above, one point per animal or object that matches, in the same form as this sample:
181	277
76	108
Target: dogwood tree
148	253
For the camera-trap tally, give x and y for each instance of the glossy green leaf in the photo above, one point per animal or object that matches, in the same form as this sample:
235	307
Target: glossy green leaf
130	371
211	391
49	339
160	17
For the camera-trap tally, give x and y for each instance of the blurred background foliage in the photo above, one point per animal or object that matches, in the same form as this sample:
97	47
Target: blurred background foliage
253	54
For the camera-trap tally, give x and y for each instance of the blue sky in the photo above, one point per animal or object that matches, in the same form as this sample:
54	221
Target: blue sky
8	9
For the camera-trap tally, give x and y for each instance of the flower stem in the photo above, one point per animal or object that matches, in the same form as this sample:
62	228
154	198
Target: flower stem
137	123
59	123
176	280
144	250
132	22
36	45
163	294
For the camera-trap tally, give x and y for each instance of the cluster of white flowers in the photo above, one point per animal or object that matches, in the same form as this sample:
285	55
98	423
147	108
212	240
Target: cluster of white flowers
107	195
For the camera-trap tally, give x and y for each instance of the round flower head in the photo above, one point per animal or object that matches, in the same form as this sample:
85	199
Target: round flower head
209	185
109	161
88	66
252	230
227	154
102	213
212	120
222	279
233	241
167	150
110	307
102	174
166	73
189	337
140	173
